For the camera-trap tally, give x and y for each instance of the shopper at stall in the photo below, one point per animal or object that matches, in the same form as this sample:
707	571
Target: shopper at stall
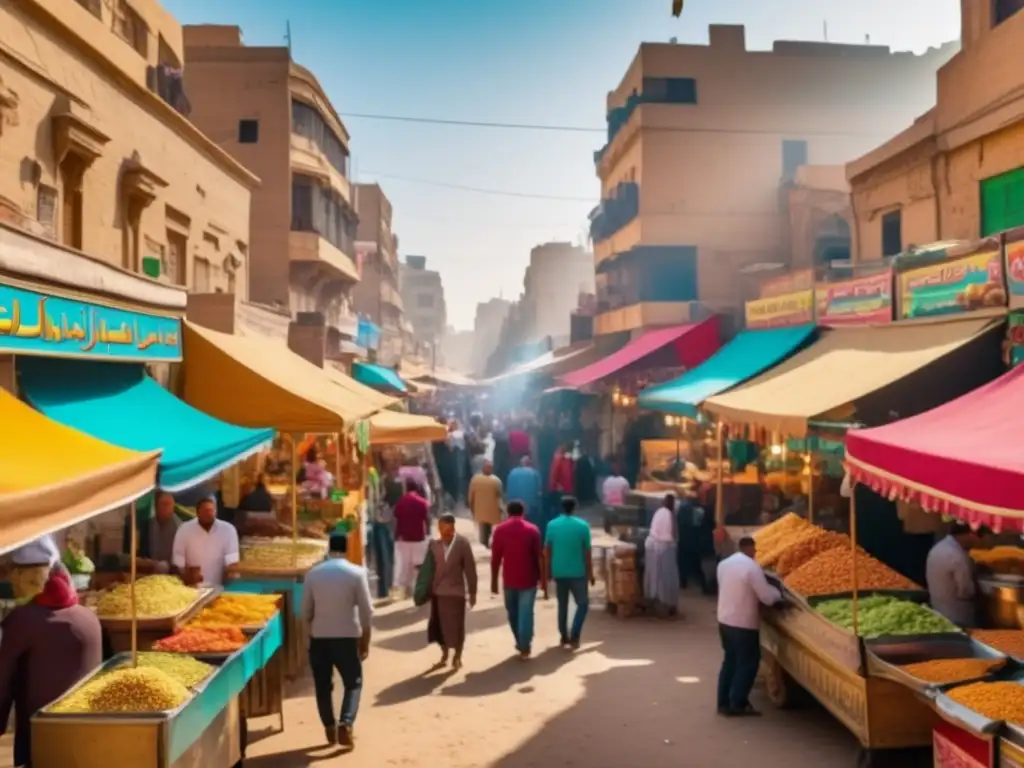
31	566
661	571
950	575
412	527
568	561
742	589
516	555
615	487
49	644
205	549
525	485
336	605
485	501
158	543
451	568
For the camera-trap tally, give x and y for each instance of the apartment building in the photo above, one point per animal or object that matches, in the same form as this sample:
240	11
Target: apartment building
272	115
957	171
703	144
487	326
376	296
423	297
556	275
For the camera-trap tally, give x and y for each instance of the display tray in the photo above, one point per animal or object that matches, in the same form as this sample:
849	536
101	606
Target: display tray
800	621
296	572
910	595
887	656
1018	658
961	716
160	623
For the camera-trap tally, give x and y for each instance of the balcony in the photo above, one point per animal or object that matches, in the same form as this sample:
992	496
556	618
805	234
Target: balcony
390	296
308	159
656	90
615	212
311	248
643	315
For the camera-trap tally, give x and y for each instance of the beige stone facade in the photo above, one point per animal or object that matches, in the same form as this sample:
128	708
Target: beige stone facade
957	172
97	154
704	145
487	326
272	115
377	296
424	300
556	275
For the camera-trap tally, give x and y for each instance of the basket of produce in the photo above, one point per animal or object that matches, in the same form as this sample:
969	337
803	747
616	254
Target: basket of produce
237	609
926	662
211	642
161	602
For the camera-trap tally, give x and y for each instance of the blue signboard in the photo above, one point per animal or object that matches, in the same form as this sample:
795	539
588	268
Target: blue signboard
36	324
367	334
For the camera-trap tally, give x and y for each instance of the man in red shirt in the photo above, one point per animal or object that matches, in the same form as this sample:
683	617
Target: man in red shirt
412	526
516	545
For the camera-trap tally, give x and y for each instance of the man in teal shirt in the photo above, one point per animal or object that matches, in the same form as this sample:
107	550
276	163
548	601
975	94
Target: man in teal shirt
568	562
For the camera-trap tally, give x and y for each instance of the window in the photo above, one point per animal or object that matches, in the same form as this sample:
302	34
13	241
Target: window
130	27
93	7
177	257
670	90
72	172
307	122
320	209
1004	9
46	209
794	154
248	131
892	233
201	277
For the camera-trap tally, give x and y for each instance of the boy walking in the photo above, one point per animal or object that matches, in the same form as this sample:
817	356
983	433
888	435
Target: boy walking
569	563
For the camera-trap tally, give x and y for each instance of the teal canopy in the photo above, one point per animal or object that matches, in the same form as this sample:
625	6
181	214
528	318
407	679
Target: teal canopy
378	377
119	403
747	355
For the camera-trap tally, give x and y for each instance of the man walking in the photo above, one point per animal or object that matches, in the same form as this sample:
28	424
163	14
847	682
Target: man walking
516	554
525	485
336	606
412	526
452	587
485	501
742	589
569	563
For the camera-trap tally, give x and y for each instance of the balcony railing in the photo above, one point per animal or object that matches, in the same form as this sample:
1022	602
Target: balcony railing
615	212
656	90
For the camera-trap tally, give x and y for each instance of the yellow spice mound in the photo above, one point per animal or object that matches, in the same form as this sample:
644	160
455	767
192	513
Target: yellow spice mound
186	670
154	596
143	689
237	610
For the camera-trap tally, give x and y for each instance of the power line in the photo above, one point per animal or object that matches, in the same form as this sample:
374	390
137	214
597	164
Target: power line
476	123
481	190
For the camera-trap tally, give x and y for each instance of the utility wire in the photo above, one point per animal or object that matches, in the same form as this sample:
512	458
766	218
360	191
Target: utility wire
480	190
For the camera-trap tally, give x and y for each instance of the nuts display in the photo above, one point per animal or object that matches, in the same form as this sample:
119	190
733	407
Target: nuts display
831	572
1008	641
795	555
952	670
997	701
155	596
142	689
237	610
774	534
768	557
281	554
878	615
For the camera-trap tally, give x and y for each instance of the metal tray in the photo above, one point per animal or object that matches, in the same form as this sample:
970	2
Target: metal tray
157	623
1017	659
887	656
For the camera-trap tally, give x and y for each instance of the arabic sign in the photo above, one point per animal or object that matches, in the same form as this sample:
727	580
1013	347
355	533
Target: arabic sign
857	301
960	284
780	311
36	324
788	284
1015	267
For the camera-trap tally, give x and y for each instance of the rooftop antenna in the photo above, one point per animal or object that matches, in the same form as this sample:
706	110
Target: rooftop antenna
824	27
288	36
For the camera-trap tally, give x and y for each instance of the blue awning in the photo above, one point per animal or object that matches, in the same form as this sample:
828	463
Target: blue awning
119	403
378	377
747	355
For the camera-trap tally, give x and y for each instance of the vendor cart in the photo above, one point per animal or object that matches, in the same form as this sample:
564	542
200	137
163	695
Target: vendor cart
118	631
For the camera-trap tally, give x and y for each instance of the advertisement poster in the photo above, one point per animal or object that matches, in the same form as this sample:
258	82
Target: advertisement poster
1015	267
780	311
1013	346
960	284
858	301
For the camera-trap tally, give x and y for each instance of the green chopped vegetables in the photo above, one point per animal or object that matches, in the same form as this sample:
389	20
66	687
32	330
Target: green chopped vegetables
878	615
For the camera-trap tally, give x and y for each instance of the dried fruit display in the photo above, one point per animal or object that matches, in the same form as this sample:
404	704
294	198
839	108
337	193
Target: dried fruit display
237	610
879	615
952	670
1008	641
203	640
774	533
155	596
831	573
799	553
996	701
143	689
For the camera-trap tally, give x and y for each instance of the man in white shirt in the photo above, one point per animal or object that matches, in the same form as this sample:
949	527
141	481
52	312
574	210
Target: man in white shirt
950	574
742	589
205	549
614	489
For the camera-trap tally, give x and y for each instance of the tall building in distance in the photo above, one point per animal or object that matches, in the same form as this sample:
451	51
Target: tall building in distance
703	143
557	274
457	350
272	115
423	297
487	326
377	296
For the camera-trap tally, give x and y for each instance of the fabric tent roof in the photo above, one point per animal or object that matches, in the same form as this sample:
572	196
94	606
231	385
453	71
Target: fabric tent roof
391	427
555	362
748	354
697	342
957	459
259	383
120	404
52	476
378	377
845	365
369	398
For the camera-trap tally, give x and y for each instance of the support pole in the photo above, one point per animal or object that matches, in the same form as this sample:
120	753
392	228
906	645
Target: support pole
295	500
720	490
810	488
131	589
339	442
853	539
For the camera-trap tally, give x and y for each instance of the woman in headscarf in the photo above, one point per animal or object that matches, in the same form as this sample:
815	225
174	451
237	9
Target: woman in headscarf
49	644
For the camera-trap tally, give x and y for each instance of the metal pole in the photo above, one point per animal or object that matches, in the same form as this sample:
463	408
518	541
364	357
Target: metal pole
720	490
810	488
295	499
853	540
131	588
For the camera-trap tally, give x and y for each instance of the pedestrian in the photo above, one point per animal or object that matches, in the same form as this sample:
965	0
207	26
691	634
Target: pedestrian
383	540
615	488
525	485
336	607
412	527
568	561
661	571
485	501
451	569
690	525
742	588
516	554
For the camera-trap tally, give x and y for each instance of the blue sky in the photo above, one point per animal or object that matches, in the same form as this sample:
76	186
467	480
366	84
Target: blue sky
548	62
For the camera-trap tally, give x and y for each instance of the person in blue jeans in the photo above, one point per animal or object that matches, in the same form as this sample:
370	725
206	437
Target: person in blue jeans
516	555
569	563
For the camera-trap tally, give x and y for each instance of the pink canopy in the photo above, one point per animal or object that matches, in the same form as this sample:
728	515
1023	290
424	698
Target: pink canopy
691	345
962	459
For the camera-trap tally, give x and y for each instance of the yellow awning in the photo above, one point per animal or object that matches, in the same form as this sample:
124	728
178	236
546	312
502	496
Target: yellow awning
392	427
255	382
372	399
845	365
52	476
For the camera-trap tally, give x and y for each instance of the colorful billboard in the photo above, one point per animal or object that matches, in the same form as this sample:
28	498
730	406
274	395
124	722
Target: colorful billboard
857	301
959	283
1014	249
781	311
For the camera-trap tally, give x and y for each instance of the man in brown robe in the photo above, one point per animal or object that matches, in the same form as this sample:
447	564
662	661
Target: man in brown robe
454	584
48	645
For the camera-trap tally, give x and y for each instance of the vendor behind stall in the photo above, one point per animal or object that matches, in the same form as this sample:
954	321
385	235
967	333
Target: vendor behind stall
205	549
158	543
31	566
950	574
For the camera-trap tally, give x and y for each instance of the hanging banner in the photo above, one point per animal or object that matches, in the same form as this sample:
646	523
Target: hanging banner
1014	250
787	285
858	301
34	323
954	285
782	301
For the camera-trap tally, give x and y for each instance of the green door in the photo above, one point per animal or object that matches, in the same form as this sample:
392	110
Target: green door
1002	202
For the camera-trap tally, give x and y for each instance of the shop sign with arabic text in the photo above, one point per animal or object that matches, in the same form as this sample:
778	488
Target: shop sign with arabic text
954	285
783	301
32	323
857	301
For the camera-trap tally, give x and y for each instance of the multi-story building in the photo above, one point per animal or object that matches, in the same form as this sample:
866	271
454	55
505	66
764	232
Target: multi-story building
423	297
273	116
377	296
487	325
957	172
702	143
554	279
457	350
